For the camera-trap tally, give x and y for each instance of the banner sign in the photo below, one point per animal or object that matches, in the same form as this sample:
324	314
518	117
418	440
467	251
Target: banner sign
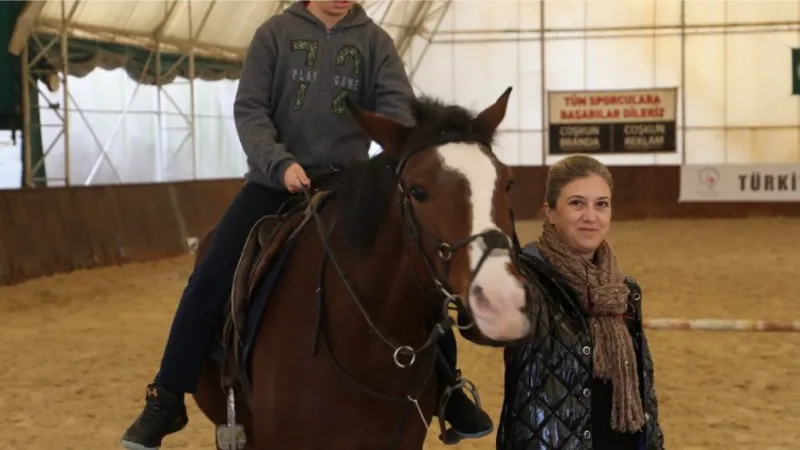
740	183
612	122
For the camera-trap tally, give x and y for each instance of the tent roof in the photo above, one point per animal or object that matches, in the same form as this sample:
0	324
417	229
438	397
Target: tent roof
215	29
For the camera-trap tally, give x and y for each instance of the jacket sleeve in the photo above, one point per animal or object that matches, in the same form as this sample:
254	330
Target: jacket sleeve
654	433
521	378
392	90
252	109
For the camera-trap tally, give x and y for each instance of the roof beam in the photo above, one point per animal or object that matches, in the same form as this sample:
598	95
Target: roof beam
158	32
27	21
425	21
423	13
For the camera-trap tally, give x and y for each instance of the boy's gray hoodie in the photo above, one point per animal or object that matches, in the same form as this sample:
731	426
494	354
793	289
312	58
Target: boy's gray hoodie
290	103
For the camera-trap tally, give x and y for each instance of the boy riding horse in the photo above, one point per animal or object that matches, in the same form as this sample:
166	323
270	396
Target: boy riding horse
292	120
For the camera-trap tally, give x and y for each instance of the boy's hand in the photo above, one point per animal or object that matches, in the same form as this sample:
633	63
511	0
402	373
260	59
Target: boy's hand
294	178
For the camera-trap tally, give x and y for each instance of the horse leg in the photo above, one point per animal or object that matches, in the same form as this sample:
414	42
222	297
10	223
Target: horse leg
213	401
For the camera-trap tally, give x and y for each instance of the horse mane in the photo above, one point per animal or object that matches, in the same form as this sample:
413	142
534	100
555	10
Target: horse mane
364	189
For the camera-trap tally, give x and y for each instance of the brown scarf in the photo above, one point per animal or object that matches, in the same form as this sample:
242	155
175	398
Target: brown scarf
603	294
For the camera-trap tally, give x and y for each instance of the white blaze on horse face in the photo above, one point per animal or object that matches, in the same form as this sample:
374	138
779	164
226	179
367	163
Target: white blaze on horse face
496	297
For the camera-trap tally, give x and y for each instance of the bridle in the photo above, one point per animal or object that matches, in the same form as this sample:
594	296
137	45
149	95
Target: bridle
491	239
404	356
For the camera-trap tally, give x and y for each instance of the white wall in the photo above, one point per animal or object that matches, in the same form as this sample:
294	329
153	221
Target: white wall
152	143
97	103
10	162
738	108
737	85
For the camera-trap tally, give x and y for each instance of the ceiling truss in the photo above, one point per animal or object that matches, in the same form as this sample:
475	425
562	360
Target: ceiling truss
411	24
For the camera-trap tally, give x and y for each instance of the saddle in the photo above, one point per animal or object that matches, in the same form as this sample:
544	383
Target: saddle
267	240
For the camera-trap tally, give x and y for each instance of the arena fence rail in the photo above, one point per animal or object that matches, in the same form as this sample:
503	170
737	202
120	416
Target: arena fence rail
721	325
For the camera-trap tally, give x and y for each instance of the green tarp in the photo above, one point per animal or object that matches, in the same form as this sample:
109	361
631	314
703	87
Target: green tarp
10	69
11	109
140	64
796	71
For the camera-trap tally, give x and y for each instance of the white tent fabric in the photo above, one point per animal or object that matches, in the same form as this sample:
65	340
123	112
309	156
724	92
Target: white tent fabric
121	131
730	60
214	28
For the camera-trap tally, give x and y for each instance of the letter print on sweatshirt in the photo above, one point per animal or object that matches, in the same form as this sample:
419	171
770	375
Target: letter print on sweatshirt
348	55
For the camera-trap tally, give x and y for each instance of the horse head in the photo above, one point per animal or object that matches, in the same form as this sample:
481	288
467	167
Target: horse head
453	194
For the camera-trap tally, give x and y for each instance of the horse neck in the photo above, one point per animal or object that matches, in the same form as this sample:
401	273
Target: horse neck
386	284
396	308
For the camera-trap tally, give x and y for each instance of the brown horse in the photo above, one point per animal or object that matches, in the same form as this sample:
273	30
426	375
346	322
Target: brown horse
344	352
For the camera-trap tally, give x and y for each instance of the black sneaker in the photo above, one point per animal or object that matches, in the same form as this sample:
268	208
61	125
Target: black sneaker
466	419
164	413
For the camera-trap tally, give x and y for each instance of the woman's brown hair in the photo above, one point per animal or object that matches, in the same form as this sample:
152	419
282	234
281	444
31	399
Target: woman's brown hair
569	169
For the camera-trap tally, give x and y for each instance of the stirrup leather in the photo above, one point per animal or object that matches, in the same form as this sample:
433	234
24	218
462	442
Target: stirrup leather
231	436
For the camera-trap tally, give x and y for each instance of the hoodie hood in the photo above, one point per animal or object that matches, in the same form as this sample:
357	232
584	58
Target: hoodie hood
357	17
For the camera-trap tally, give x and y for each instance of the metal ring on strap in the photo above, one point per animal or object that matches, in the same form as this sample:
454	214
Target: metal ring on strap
404	349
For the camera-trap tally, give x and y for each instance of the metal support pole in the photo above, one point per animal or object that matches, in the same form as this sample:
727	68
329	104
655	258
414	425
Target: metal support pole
683	83
543	88
654	62
725	82
160	139
403	41
386	12
519	84
586	45
626	30
416	64
192	113
65	87
26	120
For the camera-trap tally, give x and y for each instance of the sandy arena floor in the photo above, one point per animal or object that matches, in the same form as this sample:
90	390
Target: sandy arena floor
76	353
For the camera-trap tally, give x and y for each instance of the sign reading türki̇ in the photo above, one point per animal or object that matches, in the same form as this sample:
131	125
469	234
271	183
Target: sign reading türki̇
612	122
740	183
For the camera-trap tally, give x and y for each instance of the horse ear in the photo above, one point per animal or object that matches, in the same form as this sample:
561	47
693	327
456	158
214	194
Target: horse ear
390	135
491	117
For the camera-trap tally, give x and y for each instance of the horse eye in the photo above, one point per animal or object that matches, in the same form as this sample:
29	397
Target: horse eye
509	185
418	193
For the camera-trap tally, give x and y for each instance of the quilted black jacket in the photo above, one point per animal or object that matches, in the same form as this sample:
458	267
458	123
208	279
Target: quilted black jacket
549	382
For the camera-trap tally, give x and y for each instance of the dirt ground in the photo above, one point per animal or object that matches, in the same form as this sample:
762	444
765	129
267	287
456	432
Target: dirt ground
76	353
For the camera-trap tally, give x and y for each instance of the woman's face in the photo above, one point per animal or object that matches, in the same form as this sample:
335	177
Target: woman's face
582	215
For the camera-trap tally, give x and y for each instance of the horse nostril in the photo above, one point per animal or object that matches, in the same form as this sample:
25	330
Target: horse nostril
477	291
479	299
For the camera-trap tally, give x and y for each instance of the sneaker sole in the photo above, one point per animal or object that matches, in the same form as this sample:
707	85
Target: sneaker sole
134	446
469	436
128	445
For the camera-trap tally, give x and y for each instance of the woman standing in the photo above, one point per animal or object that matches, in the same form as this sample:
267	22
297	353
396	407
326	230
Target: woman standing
584	381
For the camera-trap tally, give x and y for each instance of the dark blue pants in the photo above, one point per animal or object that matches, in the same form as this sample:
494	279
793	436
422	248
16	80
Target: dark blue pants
447	345
199	313
201	306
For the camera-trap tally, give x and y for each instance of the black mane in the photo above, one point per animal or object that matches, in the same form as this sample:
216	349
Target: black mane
364	189
435	118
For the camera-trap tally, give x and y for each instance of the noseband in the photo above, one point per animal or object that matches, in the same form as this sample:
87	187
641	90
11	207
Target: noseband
491	239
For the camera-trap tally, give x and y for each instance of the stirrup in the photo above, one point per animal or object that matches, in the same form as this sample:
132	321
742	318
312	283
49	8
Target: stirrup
231	436
449	436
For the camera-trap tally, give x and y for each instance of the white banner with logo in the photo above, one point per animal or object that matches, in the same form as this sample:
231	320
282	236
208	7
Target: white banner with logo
740	183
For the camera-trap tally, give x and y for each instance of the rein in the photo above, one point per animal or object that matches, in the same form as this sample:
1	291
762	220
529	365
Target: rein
404	356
